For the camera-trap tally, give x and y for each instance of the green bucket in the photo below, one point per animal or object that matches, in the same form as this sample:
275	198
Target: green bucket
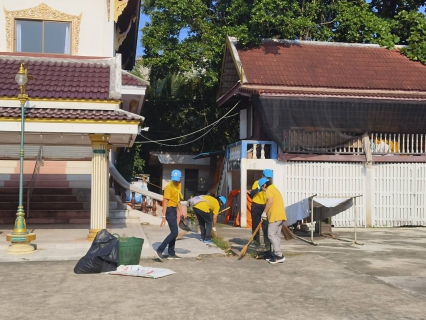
129	250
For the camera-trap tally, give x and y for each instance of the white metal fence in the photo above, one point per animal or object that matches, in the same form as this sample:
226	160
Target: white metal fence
399	194
398	191
303	179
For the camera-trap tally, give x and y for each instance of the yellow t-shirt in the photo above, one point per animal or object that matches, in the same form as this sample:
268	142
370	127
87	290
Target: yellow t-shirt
211	203
173	194
277	210
260	197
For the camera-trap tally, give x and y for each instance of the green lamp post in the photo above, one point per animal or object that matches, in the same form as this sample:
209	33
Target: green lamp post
20	238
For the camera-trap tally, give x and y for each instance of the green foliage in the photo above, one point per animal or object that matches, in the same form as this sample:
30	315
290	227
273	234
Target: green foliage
129	162
138	162
205	25
185	72
414	25
178	105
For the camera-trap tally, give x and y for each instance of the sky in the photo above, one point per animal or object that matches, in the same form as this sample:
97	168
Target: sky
142	20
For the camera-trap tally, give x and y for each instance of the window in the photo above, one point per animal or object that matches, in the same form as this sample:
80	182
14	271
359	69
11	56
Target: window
43	36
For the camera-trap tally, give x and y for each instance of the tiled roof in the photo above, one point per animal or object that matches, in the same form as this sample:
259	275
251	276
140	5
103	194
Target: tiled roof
132	80
330	65
62	77
57	78
47	113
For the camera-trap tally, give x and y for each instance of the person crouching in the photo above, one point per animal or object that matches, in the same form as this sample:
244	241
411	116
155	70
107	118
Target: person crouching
206	212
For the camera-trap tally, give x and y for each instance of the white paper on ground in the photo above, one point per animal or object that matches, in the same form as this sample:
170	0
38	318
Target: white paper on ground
140	271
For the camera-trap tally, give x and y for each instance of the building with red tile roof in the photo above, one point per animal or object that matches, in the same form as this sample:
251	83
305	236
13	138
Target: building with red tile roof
330	118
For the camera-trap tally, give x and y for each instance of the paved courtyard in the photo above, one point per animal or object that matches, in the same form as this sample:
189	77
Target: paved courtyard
383	279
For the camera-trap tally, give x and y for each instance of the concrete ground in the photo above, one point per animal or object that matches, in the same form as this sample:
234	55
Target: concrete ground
68	242
383	279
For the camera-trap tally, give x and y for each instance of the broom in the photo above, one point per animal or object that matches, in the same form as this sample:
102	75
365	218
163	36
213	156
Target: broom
288	235
243	252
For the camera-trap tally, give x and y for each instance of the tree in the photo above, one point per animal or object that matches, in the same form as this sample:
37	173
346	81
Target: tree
184	45
179	105
206	23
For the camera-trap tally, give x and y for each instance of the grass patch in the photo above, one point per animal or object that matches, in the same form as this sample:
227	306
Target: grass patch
220	242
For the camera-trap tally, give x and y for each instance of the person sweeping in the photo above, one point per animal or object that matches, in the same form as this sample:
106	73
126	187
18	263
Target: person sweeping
171	206
257	208
274	214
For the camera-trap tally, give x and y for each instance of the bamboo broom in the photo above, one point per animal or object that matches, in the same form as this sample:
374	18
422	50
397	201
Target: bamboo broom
243	252
288	235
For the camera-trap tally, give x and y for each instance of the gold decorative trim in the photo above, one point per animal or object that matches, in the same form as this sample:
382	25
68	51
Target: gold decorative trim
119	6
109	9
65	100
42	12
47	120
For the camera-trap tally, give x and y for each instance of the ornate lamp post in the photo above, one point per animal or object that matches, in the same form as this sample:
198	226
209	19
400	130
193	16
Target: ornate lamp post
20	238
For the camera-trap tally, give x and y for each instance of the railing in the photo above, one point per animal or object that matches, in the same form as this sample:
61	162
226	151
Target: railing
120	186
39	162
330	142
252	149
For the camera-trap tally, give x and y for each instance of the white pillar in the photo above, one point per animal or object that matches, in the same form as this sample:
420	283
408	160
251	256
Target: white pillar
108	152
100	186
243	184
369	196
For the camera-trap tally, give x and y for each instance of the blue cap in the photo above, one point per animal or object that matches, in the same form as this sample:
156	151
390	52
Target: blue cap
267	173
222	199
176	175
261	182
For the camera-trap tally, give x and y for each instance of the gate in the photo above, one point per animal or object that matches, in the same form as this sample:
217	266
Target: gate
304	179
399	194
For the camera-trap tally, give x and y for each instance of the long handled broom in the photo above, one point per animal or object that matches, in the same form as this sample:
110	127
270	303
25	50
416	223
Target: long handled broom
288	235
243	252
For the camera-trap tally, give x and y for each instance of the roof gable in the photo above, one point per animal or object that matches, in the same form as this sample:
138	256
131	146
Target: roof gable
327	65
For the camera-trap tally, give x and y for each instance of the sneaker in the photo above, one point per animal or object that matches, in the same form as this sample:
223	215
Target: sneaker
208	242
276	260
267	255
159	255
174	257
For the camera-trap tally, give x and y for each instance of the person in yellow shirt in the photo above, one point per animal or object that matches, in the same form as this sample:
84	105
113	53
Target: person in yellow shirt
275	214
206	212
171	205
257	208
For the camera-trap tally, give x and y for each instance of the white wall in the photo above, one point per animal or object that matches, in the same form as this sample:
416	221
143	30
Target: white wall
204	182
96	36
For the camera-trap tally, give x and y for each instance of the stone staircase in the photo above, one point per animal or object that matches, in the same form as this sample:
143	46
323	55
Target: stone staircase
61	192
61	195
48	205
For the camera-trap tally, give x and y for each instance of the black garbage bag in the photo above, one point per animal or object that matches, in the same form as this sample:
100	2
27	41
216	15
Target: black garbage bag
187	225
102	255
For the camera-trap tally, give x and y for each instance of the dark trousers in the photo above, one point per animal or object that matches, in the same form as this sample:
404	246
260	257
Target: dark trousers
171	217
205	220
256	216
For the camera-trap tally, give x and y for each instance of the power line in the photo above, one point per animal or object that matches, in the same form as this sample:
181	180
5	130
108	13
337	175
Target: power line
182	144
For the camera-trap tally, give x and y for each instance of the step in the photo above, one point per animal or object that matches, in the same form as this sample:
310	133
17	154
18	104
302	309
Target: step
44	198
64	214
57	191
31	221
49	177
46	205
121	216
